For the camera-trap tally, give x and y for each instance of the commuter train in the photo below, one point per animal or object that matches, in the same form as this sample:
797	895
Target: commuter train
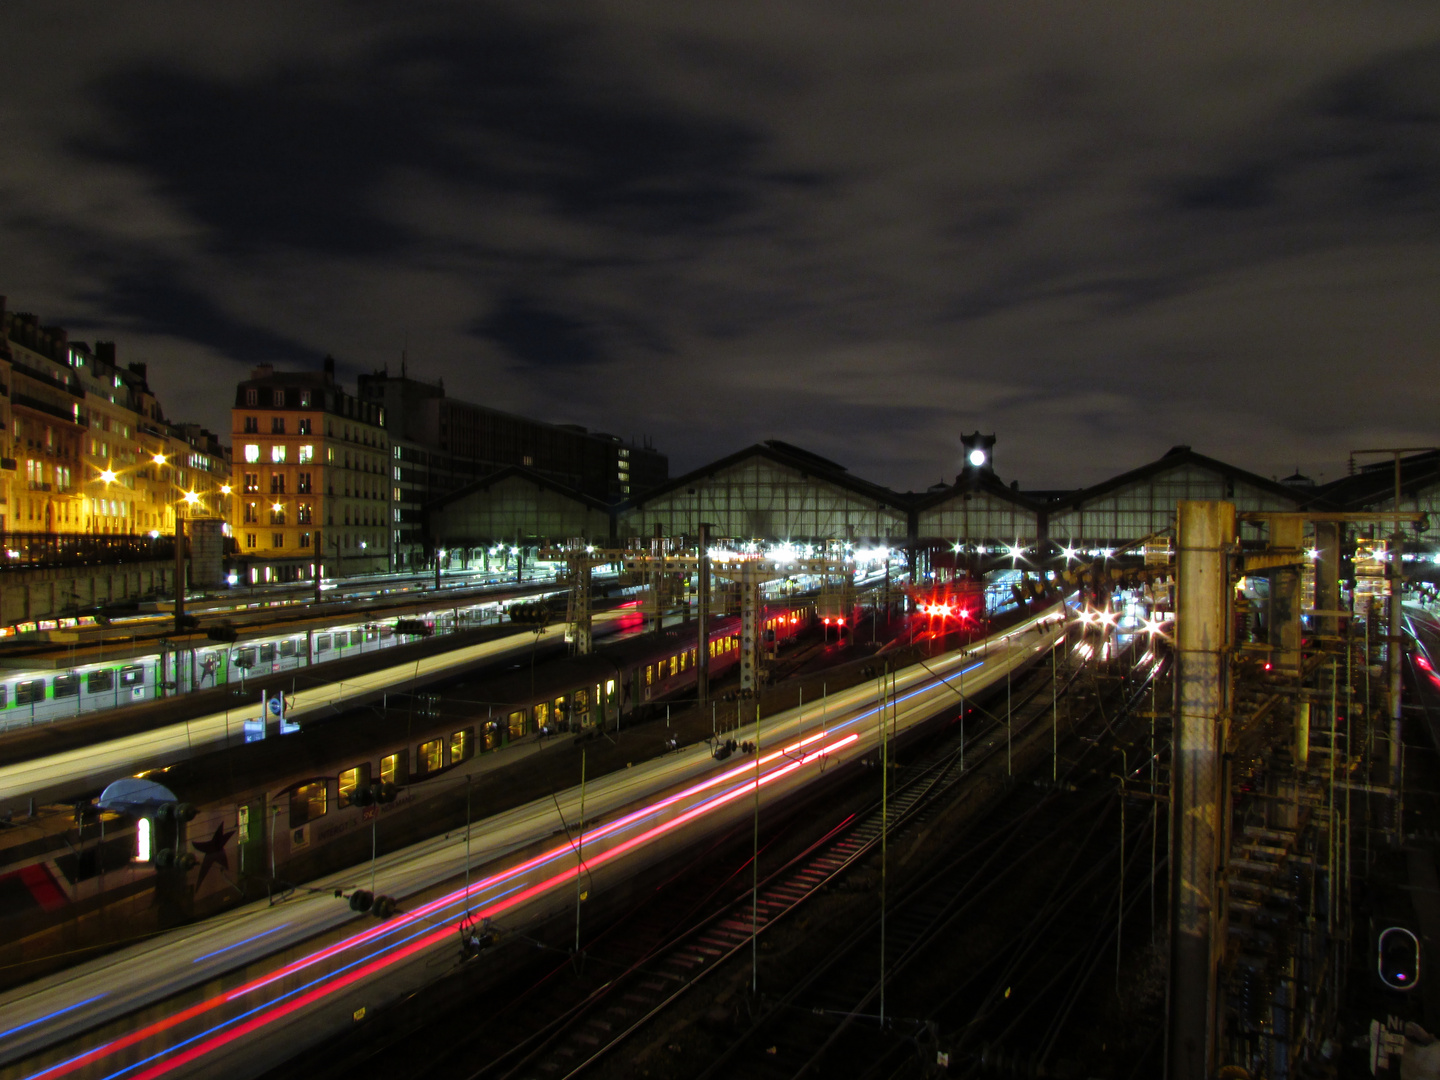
31	697
288	807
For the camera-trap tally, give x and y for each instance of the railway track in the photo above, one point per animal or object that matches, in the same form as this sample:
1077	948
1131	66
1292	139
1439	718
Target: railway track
649	981
836	1021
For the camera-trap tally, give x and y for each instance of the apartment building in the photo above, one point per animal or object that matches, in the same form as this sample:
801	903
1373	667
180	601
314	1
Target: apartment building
85	448
310	478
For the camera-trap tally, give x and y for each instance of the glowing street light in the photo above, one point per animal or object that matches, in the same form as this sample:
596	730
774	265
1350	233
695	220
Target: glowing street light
108	475
224	489
158	458
192	497
277	507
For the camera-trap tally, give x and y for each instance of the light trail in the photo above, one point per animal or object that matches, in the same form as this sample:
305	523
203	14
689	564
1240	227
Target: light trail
230	1029
451	899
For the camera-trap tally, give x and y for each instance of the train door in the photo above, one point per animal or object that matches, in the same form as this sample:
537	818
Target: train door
250	838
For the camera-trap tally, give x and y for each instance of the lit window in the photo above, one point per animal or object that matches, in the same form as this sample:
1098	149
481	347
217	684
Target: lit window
350	779
277	454
142	840
462	745
432	756
395	769
307	454
305	400
307	802
252	453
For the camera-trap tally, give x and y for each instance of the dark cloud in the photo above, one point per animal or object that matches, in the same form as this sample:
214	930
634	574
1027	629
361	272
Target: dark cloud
534	335
1097	233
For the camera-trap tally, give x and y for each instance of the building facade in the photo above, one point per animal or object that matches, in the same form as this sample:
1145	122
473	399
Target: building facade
311	482
85	448
442	444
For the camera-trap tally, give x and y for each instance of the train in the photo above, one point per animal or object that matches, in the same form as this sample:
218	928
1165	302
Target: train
250	818
40	696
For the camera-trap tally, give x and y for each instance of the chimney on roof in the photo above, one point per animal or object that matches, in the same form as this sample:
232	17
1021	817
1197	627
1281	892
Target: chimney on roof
329	368
105	352
262	371
140	369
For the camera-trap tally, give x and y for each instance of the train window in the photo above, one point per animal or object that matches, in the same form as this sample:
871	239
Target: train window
649	675
395	769
462	745
431	756
66	685
287	647
4	694
267	652
307	802
517	723
580	706
674	664
542	714
609	688
99	680
29	691
322	643
692	657
132	675
350	779
357	636
244	658
559	711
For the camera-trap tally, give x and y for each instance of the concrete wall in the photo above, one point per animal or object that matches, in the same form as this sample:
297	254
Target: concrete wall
46	593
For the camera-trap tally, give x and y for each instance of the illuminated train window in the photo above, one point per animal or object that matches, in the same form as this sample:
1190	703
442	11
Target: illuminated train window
245	657
307	802
322	643
132	675
431	757
99	680
542	714
267	653
517	723
357	636
350	779
66	686
4	694
674	664
287	647
462	746
30	691
395	769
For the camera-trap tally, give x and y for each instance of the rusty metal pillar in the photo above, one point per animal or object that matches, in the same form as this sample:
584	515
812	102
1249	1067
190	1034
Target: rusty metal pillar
1327	578
1287	534
1205	532
702	618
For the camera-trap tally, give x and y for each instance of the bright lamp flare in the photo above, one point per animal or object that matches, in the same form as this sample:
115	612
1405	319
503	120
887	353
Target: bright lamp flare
158	458
277	507
108	476
977	458
192	498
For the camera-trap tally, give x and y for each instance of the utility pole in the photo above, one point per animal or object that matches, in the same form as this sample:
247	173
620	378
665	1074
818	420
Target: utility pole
1395	639
702	605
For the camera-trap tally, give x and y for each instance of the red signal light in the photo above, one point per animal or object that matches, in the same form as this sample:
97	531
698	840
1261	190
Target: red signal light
1269	666
1422	663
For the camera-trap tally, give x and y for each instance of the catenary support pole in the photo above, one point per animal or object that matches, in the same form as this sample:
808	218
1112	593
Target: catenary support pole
1206	531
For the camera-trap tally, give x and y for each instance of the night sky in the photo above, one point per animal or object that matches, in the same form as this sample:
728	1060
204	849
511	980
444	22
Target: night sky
1096	230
